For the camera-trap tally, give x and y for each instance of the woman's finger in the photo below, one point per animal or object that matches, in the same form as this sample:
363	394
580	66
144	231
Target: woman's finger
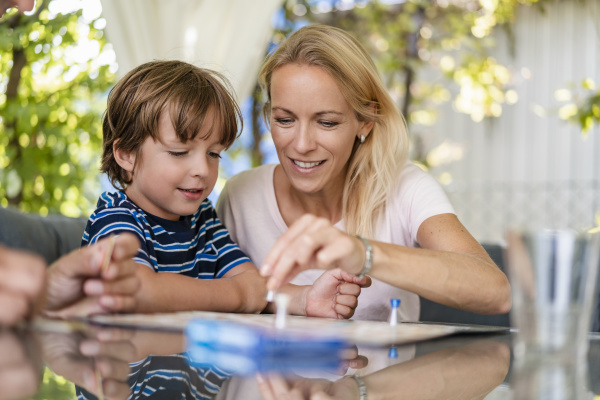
284	242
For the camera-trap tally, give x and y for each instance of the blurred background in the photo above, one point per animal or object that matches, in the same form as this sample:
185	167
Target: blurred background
501	97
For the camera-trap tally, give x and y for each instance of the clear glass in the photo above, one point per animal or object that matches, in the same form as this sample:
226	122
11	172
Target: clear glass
553	280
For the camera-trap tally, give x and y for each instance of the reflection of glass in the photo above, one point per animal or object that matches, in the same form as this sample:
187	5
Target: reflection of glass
550	380
553	275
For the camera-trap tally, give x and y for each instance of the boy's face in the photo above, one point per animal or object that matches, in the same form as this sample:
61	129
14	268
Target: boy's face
171	178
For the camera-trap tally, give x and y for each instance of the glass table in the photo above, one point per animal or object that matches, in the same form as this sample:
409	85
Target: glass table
90	361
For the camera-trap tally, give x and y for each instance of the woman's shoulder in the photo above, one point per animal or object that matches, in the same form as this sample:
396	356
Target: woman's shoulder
255	179
411	174
414	183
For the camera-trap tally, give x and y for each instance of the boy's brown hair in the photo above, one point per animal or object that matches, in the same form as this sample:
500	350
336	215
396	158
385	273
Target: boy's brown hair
183	90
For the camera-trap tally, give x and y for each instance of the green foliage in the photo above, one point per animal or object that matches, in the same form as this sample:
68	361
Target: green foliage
53	86
416	35
54	387
582	105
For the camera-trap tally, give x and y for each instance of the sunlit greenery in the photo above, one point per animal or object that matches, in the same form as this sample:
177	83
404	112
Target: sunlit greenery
55	71
412	38
54	387
581	105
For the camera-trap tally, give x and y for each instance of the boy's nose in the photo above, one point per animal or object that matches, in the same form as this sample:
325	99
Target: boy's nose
199	166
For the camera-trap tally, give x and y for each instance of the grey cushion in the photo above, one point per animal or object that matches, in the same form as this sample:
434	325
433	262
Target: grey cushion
50	237
435	312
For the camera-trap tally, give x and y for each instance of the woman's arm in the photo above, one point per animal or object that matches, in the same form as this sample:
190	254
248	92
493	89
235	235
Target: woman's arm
241	289
451	267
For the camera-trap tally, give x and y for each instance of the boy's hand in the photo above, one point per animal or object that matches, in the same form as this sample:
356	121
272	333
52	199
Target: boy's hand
334	294
79	286
92	358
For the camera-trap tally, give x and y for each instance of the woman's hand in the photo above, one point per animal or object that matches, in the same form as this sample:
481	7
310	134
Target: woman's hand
22	281
311	243
334	295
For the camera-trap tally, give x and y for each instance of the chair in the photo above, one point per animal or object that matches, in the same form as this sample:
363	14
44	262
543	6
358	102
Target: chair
435	312
50	237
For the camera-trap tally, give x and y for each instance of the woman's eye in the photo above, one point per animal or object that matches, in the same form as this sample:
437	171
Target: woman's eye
178	153
283	121
214	155
329	124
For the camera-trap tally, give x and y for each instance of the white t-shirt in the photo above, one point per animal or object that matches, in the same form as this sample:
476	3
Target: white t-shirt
248	208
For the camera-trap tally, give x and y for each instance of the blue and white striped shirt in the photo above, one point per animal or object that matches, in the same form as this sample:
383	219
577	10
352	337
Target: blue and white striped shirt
197	245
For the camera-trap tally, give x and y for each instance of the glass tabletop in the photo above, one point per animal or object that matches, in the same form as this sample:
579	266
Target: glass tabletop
89	361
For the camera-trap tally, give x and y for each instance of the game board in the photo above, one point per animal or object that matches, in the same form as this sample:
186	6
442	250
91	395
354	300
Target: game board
357	332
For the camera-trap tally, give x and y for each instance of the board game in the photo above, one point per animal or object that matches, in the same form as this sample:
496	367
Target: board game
358	332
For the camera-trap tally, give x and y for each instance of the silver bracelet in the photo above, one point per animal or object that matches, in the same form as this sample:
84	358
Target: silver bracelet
362	388
368	256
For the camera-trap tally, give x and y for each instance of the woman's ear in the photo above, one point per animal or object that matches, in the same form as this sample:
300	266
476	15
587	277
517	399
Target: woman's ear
125	159
365	129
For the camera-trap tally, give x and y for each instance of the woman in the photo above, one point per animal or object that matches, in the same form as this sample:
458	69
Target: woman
342	147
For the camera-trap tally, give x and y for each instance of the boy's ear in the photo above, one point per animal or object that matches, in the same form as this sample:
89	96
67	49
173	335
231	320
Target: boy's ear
125	159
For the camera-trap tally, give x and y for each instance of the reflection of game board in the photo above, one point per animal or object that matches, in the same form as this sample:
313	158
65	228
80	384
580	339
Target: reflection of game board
358	332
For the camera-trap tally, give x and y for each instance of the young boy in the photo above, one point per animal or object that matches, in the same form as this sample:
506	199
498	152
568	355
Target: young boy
165	126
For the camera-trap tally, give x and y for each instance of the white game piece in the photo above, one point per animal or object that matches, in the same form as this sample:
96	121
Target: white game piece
270	295
394	312
282	301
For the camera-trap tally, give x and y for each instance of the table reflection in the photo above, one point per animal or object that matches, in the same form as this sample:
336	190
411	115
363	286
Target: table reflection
112	363
20	365
464	372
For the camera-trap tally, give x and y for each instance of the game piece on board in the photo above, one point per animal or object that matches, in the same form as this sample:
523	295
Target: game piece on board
282	301
393	353
394	312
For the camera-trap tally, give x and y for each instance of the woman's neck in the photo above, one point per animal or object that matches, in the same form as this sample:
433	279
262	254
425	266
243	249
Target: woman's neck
292	203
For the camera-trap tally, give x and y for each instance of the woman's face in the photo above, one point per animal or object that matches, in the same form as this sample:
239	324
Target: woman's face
313	127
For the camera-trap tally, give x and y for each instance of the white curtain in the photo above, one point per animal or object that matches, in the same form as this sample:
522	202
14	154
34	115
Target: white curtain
230	36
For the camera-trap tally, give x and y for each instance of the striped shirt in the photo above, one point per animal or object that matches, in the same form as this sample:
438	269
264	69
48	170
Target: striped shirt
170	377
197	245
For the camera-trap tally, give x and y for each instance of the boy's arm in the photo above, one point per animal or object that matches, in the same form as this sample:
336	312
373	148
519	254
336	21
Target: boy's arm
333	295
241	289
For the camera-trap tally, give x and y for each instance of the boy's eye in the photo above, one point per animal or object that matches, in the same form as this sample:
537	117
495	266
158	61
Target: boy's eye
178	153
213	154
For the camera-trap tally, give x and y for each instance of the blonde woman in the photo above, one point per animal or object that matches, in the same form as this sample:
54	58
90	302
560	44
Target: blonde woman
344	196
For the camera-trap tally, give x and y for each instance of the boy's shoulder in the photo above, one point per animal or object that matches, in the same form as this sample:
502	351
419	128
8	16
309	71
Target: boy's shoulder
118	205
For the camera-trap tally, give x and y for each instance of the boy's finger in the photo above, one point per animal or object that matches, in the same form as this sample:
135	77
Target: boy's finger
128	285
118	303
346	300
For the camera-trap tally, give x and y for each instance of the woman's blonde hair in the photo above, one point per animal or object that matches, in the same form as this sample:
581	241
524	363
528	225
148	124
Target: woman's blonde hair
375	164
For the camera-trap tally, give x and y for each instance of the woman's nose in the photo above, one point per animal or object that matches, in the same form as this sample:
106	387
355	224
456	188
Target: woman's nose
304	140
